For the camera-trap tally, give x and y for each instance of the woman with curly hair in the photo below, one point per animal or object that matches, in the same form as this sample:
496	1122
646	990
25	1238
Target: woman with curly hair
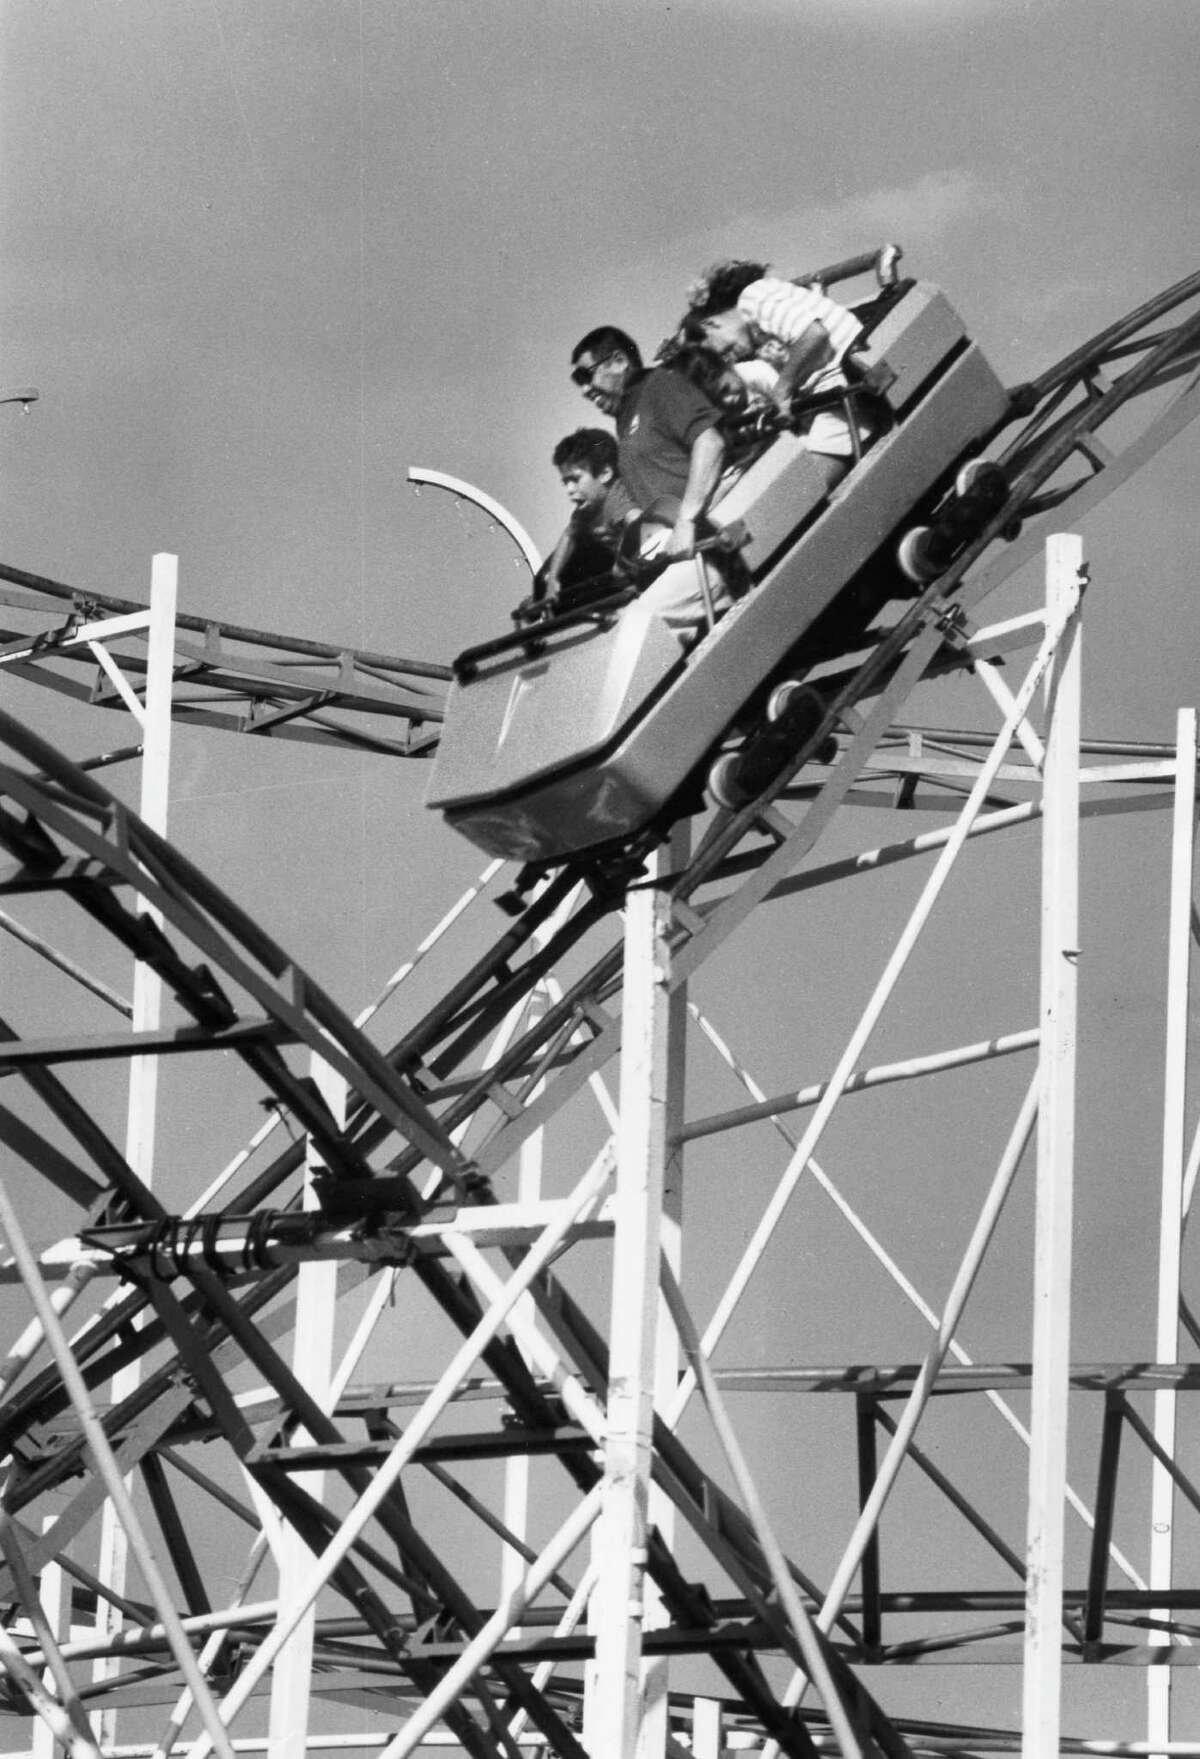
780	337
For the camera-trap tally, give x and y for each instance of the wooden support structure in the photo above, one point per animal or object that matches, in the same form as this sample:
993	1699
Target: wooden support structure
312	1361
152	711
537	1648
1171	1215
616	1710
1055	1165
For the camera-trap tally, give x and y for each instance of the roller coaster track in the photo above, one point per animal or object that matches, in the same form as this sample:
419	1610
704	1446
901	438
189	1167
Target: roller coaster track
242	680
407	1176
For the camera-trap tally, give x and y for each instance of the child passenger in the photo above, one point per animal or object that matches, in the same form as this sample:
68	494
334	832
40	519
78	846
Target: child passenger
745	411
579	568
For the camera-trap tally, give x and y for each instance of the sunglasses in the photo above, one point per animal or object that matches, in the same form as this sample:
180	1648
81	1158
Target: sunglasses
582	375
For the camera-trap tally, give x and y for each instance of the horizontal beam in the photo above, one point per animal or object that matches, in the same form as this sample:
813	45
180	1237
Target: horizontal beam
961	1378
494	1444
214	631
168	1041
884	1074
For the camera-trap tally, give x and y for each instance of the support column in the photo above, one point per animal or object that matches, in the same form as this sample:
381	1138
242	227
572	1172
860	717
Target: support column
155	719
55	1596
312	1360
516	1467
652	1742
1055	1166
707	1738
152	807
1170	1238
651	1076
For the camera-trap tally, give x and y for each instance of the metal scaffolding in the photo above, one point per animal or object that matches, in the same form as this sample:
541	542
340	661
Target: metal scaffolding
463	1403
223	1531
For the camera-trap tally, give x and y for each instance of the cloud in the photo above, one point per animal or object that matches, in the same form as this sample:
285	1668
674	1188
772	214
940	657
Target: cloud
919	215
922	212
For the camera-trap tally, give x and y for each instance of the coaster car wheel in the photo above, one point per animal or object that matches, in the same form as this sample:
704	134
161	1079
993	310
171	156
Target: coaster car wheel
980	490
912	556
787	698
980	477
722	782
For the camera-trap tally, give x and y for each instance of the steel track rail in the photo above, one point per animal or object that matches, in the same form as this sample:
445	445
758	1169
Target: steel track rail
233	678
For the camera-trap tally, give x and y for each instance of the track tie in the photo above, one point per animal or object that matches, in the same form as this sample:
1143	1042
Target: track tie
504	1100
774	824
686	916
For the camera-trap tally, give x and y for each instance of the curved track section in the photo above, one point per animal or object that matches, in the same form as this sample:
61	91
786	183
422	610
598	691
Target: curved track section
209	1293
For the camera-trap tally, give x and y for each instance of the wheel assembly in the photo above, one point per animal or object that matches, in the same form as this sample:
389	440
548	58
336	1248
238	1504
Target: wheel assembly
913	557
722	782
924	552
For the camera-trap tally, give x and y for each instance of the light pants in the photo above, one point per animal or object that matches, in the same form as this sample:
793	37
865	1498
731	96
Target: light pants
679	599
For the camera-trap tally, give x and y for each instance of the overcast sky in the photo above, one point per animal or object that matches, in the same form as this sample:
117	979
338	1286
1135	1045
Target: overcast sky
260	256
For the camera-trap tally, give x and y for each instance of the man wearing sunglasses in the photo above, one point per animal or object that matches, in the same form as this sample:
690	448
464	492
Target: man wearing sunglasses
671	453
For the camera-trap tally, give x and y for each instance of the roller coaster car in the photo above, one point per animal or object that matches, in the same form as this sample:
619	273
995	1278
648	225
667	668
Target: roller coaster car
576	735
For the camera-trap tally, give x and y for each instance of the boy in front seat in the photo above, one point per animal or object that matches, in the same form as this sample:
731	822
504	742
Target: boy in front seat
579	568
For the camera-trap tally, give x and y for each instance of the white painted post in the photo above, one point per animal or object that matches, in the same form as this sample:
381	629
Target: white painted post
613	1706
1170	1238
655	1720
516	1467
707	1722
155	720
56	1598
155	793
1055	1171
312	1361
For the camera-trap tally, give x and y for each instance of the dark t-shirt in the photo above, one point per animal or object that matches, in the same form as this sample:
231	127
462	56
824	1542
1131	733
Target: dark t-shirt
657	426
606	520
585	570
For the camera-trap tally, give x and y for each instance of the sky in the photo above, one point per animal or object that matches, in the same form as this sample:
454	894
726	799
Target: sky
262	256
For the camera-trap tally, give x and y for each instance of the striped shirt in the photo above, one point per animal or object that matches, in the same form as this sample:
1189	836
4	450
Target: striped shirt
780	313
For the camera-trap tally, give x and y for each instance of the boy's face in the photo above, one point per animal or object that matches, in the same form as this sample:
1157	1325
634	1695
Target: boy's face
585	490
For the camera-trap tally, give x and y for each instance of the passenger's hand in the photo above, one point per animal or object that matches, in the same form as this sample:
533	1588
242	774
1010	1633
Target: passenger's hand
529	610
682	541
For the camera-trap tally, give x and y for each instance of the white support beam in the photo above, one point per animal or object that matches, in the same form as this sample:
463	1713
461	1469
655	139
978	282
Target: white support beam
55	1598
530	1167
615	1696
155	722
153	807
1055	1167
1170	1239
655	1720
708	1741
312	1360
